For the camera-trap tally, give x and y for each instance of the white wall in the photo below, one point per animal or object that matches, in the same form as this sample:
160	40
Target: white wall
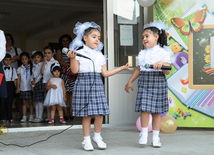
122	104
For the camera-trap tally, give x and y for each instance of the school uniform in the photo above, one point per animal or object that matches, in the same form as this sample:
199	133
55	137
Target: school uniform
6	104
47	72
88	94
38	93
152	93
25	82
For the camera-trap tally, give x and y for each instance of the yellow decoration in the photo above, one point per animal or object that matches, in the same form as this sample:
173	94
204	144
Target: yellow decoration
184	89
207	49
207	58
176	47
168	124
3	133
166	1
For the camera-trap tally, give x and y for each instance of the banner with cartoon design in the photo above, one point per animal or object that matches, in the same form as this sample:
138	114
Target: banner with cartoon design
191	38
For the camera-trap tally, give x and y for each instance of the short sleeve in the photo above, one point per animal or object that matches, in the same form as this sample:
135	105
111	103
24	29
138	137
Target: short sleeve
19	51
19	70
14	74
103	59
140	59
166	57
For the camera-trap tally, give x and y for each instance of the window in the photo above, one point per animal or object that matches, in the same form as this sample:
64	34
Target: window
128	37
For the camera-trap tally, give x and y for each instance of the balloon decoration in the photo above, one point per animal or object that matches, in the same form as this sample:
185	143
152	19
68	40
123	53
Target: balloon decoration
138	124
168	124
166	1
163	114
146	3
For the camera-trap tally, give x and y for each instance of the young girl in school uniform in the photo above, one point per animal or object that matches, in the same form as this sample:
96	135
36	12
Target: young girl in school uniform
152	94
88	94
24	73
56	95
45	71
37	86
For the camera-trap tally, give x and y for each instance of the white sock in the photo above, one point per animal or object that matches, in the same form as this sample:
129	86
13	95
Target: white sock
40	111
49	112
96	134
37	109
155	134
87	138
144	130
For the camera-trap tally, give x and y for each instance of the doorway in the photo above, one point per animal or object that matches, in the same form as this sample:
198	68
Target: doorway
35	24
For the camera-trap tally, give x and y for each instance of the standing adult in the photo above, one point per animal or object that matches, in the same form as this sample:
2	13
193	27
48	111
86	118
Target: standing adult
13	51
68	77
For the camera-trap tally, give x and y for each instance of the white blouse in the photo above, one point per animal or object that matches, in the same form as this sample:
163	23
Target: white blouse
36	71
25	81
47	72
86	65
151	56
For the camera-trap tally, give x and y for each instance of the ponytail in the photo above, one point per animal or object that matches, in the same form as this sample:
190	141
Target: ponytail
162	40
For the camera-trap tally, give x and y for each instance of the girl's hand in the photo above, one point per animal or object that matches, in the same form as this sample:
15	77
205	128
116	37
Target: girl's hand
128	86
53	86
33	82
127	67
64	98
72	54
15	58
17	90
158	65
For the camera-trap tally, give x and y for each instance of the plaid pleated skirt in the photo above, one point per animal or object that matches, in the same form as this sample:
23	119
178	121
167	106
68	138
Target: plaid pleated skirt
44	90
26	94
38	93
152	93
88	96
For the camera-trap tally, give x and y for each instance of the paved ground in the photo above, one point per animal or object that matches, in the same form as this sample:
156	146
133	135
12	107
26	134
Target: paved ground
121	140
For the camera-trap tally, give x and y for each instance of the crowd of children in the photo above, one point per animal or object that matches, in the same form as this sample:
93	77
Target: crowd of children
32	80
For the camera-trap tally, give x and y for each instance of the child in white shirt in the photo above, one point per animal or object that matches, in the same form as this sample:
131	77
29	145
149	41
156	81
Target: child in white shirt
46	72
24	85
37	85
88	95
11	79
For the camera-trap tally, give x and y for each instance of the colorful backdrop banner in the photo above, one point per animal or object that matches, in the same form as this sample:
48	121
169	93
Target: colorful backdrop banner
191	40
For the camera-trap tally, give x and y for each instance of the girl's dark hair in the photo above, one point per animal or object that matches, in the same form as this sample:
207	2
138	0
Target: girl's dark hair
62	37
37	53
162	40
11	37
87	31
50	48
30	62
55	68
